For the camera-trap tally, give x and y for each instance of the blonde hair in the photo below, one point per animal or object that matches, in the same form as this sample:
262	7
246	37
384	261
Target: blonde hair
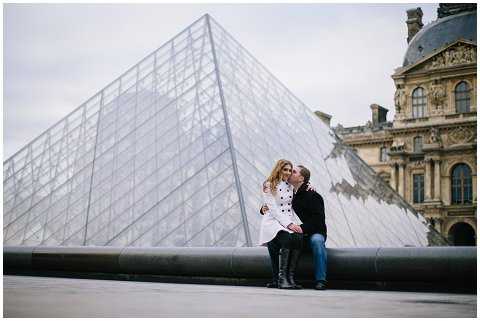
276	174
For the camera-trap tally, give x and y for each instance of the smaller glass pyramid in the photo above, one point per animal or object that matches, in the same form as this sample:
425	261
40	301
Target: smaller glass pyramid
174	152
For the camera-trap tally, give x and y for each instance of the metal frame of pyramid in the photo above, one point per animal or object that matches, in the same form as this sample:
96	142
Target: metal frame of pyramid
173	152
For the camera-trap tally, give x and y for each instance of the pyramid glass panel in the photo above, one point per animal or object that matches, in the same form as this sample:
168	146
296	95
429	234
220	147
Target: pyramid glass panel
174	153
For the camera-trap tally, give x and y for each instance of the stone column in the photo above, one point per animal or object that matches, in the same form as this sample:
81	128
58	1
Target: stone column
428	180
393	178
401	180
437	182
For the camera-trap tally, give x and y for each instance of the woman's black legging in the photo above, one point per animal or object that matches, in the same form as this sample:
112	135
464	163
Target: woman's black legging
287	240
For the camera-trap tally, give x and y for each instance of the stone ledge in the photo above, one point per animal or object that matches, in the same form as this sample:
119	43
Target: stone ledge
455	266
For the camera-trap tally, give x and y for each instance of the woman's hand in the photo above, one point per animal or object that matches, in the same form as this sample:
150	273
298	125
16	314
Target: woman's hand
264	209
296	228
310	187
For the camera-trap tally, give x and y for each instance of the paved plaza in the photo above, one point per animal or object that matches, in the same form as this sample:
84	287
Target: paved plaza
63	297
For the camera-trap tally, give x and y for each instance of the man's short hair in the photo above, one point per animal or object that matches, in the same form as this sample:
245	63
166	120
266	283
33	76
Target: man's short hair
305	172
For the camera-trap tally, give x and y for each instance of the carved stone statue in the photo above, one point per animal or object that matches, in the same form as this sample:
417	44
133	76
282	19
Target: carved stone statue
469	54
398	145
399	100
434	136
437	94
438	62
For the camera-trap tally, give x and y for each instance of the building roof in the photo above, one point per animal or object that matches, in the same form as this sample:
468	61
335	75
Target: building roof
440	33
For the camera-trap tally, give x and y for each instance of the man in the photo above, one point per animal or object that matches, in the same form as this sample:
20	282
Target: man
309	207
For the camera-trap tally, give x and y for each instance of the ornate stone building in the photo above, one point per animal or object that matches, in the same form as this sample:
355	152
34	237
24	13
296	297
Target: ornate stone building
428	152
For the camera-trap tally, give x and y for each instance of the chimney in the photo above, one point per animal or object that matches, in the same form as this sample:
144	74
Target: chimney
414	22
324	117
379	114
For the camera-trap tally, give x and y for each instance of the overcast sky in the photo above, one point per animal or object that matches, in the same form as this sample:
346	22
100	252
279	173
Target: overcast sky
335	58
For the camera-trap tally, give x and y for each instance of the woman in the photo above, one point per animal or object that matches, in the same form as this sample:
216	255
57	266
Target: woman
278	195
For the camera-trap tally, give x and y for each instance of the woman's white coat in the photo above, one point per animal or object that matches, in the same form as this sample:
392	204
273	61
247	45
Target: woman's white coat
280	213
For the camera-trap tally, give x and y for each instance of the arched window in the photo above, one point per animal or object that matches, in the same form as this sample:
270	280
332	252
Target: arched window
462	97
461	184
419	103
417	144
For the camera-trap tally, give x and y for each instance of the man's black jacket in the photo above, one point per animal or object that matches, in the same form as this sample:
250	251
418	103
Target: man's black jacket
308	205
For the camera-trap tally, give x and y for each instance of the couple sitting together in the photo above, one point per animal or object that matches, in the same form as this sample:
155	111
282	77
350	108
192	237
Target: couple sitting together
293	219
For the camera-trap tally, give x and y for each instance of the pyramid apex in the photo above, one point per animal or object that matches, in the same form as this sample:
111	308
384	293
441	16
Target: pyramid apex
207	16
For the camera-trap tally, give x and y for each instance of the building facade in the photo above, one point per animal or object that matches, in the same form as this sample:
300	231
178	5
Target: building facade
428	152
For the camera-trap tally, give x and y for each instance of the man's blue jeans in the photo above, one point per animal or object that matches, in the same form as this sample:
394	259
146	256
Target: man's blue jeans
317	244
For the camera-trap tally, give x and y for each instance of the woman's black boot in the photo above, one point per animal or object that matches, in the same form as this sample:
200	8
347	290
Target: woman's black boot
292	268
283	269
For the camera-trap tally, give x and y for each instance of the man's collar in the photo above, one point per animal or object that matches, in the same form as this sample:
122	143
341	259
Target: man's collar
302	188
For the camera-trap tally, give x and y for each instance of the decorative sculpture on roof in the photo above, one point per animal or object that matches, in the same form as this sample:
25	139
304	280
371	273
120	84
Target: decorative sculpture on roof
457	55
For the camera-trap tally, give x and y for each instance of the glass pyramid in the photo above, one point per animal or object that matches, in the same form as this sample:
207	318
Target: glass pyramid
174	152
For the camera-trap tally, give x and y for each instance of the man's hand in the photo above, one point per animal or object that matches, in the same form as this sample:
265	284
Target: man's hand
294	227
264	209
